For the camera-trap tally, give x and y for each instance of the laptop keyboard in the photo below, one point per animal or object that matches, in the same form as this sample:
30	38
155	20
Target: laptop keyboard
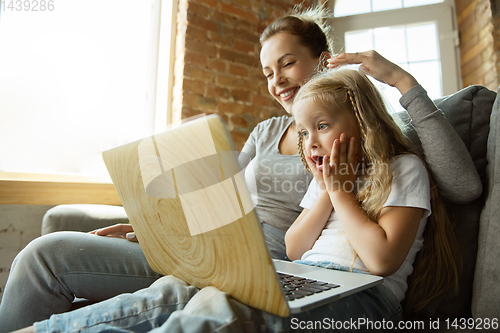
296	287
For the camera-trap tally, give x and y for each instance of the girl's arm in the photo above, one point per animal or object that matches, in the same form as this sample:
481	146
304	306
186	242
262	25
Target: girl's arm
306	229
382	247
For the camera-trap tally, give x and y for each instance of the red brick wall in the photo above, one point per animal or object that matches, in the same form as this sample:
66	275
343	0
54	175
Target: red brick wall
217	67
477	46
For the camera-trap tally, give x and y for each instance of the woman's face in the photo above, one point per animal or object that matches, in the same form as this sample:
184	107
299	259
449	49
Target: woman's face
286	64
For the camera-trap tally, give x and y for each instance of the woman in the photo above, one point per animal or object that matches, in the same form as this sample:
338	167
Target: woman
53	269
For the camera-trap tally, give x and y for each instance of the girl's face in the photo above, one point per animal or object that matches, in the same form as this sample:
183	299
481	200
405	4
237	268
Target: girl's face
286	64
319	126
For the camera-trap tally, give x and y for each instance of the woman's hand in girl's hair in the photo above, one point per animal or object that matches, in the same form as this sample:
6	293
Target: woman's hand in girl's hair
339	169
373	64
118	230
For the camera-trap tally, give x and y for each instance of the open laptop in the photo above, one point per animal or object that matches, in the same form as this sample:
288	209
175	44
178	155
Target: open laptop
186	197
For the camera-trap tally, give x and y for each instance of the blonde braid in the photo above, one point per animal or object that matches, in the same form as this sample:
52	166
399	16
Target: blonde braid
301	152
350	93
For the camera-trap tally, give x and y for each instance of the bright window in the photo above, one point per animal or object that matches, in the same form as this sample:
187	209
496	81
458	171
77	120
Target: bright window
350	7
416	38
76	80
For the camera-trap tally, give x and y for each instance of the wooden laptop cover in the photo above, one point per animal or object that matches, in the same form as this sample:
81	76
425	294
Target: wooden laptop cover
180	192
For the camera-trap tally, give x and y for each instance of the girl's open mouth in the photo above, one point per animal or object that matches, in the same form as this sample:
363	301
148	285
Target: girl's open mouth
319	162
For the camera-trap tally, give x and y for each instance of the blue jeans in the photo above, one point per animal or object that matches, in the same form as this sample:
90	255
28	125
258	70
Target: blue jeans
46	276
275	241
170	305
53	269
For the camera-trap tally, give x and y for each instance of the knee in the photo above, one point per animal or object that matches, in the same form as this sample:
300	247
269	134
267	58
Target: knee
41	250
210	301
170	285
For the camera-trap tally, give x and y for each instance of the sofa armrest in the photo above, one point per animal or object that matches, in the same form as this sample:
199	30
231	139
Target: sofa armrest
486	289
82	217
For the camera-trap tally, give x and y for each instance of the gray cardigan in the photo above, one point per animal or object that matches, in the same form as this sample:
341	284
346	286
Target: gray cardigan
444	151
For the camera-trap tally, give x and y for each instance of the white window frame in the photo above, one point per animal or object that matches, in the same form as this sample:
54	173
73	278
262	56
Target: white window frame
443	14
161	69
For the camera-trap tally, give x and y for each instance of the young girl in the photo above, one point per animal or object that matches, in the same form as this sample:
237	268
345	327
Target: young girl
368	216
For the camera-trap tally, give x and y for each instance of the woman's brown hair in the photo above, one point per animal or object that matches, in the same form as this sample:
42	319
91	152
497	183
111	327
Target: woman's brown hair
308	24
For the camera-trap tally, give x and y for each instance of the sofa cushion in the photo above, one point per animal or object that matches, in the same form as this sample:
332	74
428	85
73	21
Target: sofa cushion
82	217
486	289
468	111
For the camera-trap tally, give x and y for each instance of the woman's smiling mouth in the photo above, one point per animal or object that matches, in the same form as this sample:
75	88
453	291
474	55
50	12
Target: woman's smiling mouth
289	94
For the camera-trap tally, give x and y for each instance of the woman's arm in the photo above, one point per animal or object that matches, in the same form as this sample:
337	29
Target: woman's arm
445	153
249	150
377	67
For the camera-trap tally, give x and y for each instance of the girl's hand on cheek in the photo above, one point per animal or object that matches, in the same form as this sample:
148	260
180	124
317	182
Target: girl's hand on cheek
339	170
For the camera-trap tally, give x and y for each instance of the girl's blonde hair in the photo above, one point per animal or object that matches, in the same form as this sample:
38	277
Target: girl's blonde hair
310	25
437	266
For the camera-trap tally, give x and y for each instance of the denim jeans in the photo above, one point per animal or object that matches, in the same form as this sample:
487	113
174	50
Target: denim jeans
275	241
170	305
46	276
329	265
53	269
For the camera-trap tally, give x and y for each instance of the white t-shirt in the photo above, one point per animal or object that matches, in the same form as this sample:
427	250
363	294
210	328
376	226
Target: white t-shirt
410	188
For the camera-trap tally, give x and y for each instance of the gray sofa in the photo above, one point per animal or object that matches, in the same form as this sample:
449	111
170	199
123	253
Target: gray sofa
474	113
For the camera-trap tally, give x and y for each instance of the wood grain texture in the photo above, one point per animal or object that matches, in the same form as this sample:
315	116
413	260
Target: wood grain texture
232	256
